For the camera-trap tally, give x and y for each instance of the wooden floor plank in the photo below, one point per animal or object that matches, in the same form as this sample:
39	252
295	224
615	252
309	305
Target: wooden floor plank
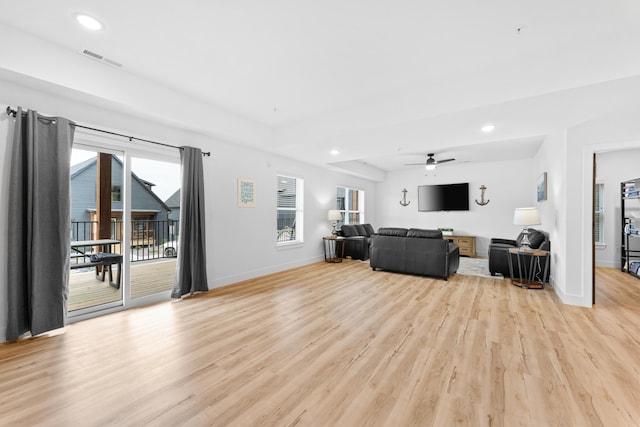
339	344
147	278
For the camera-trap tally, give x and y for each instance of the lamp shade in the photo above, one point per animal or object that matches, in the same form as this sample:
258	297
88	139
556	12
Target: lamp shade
526	216
334	215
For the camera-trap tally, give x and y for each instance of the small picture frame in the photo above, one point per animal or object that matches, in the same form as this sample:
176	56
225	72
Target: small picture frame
246	193
542	187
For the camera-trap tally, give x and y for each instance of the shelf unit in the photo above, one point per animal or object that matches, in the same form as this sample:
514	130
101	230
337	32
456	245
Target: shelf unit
630	240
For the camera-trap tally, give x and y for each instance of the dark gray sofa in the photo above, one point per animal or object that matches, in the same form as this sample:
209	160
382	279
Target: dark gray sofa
358	239
414	251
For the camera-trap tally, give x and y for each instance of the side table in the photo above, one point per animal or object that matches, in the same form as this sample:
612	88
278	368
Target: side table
333	248
529	275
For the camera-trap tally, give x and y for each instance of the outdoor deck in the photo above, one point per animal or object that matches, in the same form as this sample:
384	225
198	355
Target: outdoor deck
147	278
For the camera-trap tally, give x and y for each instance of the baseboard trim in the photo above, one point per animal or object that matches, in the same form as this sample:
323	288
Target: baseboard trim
577	300
247	275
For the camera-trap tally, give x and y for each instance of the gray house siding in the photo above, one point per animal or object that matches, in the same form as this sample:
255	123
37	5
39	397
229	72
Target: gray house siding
83	193
173	203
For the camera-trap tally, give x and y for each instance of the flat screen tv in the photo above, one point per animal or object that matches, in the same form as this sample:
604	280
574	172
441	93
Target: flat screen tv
444	197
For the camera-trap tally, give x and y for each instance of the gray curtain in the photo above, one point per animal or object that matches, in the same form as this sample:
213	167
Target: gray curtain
191	268
39	224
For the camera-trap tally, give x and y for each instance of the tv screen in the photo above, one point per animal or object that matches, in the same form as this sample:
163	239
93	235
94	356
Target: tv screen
445	197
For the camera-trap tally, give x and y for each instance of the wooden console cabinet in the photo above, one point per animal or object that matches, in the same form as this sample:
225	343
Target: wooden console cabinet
467	244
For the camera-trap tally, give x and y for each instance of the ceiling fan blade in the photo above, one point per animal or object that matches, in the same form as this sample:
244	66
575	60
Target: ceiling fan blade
444	161
430	162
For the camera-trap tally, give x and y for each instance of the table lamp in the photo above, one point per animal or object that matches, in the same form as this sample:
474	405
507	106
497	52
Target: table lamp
335	216
526	217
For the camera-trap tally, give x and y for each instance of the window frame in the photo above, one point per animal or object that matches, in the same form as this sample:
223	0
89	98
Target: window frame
298	209
116	193
348	211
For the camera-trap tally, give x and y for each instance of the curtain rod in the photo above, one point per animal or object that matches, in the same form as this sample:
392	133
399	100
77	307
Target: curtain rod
11	112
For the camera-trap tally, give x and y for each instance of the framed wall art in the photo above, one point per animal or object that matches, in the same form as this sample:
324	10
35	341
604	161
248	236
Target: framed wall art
542	187
246	193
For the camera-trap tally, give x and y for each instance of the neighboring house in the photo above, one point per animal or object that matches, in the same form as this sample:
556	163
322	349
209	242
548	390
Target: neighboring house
173	203
147	207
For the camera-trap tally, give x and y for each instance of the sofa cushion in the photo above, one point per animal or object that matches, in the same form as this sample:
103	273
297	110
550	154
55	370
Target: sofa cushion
425	234
361	230
349	230
535	238
392	231
369	230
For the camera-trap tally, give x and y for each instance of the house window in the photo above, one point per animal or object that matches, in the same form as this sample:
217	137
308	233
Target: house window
116	193
290	196
351	204
598	215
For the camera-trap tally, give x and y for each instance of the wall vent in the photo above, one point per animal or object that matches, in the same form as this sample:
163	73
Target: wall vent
101	58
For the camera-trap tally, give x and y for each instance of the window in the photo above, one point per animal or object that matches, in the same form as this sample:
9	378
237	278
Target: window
290	196
598	215
351	203
116	193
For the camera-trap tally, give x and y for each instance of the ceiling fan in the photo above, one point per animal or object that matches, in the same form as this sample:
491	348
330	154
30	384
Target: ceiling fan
431	163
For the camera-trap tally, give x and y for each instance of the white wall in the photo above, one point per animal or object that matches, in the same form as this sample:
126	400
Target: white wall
240	241
617	130
510	184
551	159
612	168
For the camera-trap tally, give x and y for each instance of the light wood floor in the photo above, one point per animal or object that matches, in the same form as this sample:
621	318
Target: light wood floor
147	278
340	345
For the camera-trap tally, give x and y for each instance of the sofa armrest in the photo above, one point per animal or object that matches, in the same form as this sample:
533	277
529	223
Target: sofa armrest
357	247
453	259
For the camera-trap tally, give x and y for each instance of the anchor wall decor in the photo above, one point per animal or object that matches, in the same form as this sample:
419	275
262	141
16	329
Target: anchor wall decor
482	201
404	201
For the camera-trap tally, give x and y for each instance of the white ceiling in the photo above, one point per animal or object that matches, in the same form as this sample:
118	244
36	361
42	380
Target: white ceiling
382	81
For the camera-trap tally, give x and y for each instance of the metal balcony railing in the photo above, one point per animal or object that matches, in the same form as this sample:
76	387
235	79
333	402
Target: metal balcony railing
150	239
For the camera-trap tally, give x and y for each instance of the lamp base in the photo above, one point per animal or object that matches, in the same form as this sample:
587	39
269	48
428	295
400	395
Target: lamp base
525	244
334	232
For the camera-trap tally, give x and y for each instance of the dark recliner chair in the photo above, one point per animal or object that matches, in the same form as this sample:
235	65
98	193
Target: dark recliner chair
357	240
498	251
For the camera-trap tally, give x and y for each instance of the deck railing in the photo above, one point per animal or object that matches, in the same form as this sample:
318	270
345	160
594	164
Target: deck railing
286	227
150	239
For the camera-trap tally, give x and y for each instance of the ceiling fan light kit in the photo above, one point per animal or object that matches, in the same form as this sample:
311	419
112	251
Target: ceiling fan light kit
431	163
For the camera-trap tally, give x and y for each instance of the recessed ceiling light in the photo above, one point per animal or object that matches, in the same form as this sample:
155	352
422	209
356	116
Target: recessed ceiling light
334	152
488	128
88	22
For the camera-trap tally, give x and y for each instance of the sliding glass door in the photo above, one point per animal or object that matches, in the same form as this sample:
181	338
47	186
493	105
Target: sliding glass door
96	263
155	226
125	209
